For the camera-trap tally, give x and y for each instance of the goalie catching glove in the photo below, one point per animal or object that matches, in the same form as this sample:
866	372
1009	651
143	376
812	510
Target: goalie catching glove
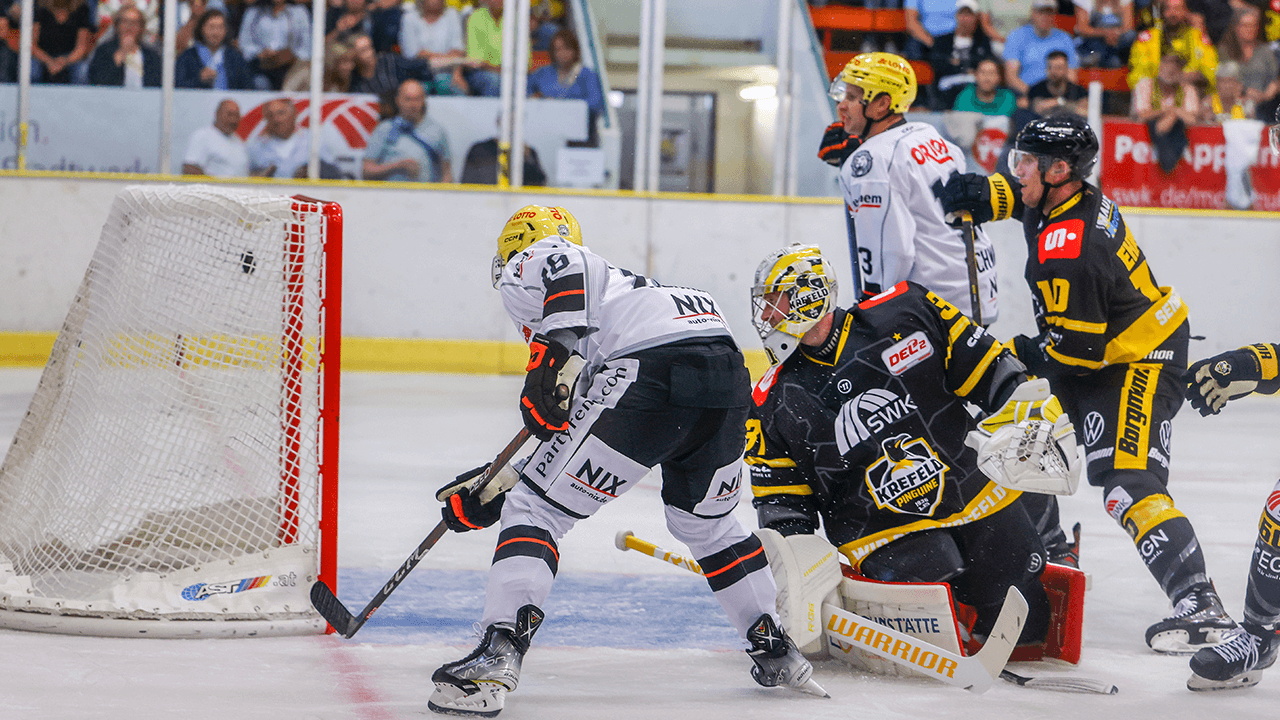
1229	376
1029	445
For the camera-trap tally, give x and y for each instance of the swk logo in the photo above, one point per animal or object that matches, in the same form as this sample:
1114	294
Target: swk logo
599	479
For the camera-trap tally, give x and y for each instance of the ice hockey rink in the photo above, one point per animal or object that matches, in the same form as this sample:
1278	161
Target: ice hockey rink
626	636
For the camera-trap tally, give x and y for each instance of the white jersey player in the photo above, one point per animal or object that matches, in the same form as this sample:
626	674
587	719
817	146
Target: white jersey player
896	224
664	386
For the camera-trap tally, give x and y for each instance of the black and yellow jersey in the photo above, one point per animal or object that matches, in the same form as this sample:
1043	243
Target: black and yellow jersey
867	432
1097	302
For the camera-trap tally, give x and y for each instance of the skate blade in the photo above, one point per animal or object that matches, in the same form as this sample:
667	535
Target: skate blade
1195	683
449	699
812	687
1178	642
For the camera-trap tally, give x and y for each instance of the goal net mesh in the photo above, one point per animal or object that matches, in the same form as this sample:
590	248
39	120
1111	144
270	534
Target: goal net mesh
169	463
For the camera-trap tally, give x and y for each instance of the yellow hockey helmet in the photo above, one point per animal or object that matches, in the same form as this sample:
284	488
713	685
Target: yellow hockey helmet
530	224
876	73
792	291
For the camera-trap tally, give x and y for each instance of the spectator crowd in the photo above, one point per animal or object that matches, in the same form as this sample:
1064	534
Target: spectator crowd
1182	61
400	50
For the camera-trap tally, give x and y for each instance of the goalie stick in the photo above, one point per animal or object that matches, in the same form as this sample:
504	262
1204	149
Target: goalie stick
626	540
1061	683
343	621
975	674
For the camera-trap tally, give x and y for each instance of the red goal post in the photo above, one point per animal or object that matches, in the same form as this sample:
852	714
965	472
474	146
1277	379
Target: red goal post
176	472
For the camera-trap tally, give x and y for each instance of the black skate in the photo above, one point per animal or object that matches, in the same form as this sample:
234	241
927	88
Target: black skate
1198	621
777	659
477	684
1237	662
1067	553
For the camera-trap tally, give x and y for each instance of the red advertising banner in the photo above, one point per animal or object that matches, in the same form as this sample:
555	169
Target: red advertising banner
1131	175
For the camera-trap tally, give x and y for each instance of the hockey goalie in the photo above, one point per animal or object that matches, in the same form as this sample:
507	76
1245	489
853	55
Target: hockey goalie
860	427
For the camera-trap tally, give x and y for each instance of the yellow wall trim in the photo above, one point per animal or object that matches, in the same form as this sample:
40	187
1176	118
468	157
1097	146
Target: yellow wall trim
477	357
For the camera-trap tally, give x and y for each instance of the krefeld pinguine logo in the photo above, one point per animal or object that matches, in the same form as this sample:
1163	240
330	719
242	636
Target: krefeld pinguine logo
908	478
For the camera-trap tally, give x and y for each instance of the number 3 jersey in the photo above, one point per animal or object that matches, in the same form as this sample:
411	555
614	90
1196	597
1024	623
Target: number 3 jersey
555	285
868	434
898	223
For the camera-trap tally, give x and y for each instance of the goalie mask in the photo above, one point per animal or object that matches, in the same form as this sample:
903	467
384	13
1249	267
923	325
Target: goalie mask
530	224
791	293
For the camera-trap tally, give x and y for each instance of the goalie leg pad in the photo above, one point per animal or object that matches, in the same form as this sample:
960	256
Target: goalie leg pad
806	569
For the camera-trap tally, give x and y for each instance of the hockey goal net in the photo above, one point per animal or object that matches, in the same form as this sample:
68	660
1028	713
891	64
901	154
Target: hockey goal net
176	471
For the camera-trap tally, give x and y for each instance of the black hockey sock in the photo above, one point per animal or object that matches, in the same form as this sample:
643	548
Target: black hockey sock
1173	556
1043	511
1262	599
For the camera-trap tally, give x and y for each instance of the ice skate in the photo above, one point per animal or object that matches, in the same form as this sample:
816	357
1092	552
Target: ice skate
1198	621
1237	662
1067	553
477	684
777	659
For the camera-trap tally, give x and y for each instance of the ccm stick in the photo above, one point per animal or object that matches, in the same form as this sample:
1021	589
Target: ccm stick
496	479
347	624
975	673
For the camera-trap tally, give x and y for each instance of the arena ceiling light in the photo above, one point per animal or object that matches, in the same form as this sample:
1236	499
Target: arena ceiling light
752	93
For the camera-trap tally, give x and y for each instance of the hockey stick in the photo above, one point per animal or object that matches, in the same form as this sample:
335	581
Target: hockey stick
971	258
625	541
976	673
343	621
1061	683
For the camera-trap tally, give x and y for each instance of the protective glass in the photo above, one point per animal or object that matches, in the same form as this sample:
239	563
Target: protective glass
1017	156
838	88
498	265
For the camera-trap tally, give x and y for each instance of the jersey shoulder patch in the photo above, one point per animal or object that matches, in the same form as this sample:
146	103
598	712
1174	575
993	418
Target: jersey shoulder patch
860	164
907	352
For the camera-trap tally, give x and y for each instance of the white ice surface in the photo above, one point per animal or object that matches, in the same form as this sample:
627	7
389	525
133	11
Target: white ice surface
626	636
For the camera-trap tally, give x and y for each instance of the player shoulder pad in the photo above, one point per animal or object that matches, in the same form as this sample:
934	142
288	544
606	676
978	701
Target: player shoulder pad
760	392
893	292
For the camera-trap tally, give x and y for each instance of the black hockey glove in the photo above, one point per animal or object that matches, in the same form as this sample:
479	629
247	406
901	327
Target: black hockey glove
1030	350
1213	381
837	145
540	401
462	509
986	198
